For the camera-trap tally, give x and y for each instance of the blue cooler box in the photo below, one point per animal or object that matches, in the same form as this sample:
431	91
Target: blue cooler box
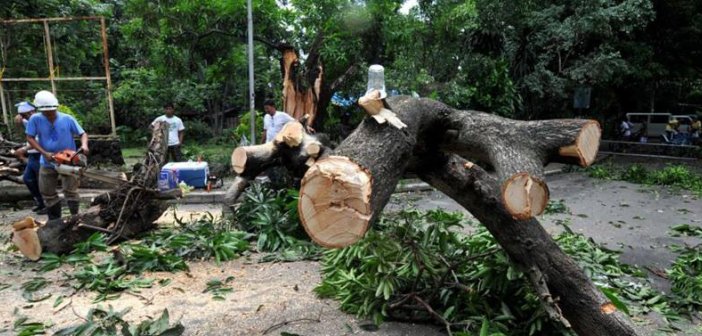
193	174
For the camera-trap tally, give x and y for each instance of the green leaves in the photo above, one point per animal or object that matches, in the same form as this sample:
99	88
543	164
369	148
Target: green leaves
219	288
686	279
467	280
272	216
110	322
677	176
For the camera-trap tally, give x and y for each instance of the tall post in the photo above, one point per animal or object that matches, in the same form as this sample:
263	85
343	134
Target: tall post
49	55
251	72
106	63
5	118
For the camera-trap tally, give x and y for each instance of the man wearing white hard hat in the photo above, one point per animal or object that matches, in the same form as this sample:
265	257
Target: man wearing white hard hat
55	132
31	156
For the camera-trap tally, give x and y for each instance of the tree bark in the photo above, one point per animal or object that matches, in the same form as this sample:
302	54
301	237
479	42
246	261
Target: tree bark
528	245
123	212
343	193
301	87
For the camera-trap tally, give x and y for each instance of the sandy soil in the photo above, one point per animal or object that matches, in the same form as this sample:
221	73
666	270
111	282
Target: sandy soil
620	215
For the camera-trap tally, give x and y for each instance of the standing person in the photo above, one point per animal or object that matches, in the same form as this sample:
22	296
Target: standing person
175	132
31	156
49	132
273	121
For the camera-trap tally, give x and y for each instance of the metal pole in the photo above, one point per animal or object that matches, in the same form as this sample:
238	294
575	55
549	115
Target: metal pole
251	73
4	109
49	55
106	62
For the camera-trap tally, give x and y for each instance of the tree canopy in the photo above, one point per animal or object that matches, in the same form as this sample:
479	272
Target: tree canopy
522	59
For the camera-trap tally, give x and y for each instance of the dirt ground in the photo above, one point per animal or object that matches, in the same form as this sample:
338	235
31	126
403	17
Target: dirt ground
622	216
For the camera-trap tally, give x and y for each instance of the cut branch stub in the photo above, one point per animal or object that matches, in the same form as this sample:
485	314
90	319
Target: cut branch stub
250	158
334	204
524	196
586	145
291	134
26	239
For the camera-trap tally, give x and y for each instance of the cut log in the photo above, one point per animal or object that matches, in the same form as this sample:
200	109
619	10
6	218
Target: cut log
364	170
124	212
336	190
292	148
528	245
24	236
524	196
251	159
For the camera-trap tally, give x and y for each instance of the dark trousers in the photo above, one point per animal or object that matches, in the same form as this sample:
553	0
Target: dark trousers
31	177
174	154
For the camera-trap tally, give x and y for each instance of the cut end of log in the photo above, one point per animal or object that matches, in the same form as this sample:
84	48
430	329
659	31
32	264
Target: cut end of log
27	223
239	160
608	308
251	155
586	145
524	196
313	149
26	239
334	204
291	134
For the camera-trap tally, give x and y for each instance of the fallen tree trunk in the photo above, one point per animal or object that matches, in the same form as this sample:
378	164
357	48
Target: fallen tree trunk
121	213
566	292
344	192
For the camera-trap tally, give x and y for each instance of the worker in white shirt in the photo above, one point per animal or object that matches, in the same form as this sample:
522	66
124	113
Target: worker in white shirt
175	132
273	121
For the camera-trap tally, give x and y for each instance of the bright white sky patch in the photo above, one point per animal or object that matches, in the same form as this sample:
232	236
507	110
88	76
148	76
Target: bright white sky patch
409	4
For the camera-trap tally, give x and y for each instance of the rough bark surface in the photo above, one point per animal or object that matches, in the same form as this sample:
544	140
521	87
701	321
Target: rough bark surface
527	244
123	212
473	157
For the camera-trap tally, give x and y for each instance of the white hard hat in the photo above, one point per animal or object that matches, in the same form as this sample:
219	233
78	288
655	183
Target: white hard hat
45	101
24	107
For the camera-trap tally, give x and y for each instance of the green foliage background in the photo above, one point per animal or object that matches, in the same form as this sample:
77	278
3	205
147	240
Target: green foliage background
514	58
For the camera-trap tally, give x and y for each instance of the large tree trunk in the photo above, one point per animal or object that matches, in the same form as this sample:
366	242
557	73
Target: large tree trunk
301	86
121	213
495	172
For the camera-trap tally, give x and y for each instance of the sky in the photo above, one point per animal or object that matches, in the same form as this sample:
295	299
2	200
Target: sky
407	6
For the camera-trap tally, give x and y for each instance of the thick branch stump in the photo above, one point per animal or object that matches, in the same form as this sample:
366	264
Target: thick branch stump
530	246
135	205
342	194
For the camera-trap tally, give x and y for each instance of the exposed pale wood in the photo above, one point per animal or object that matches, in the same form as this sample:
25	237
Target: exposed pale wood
334	203
524	196
291	134
24	236
313	149
26	223
251	157
375	106
586	145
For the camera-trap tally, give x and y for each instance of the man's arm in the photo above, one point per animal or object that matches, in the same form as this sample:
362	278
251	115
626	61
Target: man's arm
180	137
47	155
84	143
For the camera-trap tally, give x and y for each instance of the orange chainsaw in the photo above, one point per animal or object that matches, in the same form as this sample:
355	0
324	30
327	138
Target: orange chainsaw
74	163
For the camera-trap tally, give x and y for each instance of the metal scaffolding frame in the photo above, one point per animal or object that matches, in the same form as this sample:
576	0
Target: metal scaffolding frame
50	63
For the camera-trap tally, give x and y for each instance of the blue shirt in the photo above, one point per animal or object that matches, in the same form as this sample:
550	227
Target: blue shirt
54	137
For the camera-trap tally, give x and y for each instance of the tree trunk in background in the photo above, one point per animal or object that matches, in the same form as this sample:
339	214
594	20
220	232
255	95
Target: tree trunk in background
301	86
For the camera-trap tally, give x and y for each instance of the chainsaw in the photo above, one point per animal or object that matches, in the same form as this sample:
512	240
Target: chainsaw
75	163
